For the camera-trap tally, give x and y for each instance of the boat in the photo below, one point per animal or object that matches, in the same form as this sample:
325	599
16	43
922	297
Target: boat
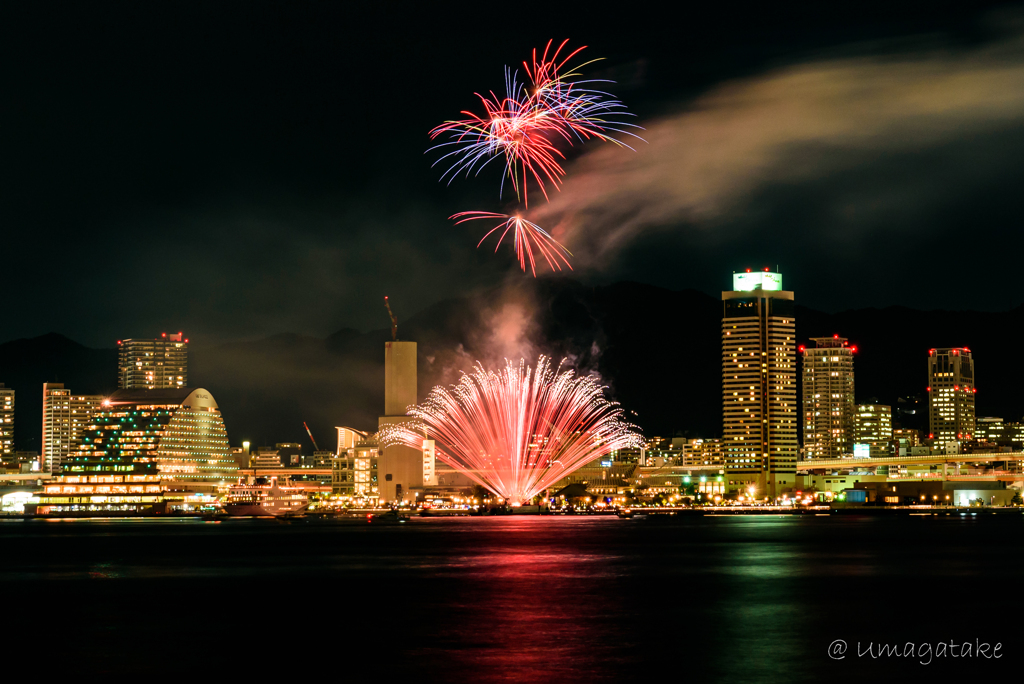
258	498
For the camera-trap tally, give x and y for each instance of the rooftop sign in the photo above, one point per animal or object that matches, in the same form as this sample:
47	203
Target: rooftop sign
757	280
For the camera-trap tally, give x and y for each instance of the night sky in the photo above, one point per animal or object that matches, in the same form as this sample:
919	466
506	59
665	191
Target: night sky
241	170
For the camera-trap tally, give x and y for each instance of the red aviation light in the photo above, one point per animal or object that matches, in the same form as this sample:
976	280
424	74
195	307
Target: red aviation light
748	270
956	387
931	435
119	341
801	347
975	390
927	389
163	334
854	349
186	340
766	269
835	337
931	352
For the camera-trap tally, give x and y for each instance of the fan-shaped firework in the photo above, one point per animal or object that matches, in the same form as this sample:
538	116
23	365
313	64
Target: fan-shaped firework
527	237
519	430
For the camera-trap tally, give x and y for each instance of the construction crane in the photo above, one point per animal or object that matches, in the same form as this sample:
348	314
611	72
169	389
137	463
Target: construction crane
310	433
394	321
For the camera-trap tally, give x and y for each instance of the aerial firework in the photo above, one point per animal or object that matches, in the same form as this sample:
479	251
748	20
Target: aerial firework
519	430
526	128
527	237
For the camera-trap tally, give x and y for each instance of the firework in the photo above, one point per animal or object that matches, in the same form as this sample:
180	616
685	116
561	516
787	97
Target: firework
519	430
514	127
526	127
527	237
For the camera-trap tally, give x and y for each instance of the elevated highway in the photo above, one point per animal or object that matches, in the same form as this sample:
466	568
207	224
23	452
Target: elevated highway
929	459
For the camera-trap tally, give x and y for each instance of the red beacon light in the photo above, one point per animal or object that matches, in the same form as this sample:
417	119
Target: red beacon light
927	389
835	337
802	348
163	334
853	348
748	270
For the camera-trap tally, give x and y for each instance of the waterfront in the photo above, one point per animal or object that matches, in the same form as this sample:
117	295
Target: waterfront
510	599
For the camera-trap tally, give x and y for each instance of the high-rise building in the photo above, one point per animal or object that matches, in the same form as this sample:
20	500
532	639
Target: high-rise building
65	418
7	459
176	435
401	467
951	391
153	364
828	398
873	424
759	404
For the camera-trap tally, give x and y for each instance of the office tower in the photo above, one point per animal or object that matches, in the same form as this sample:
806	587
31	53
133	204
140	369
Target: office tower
176	435
873	428
65	418
828	398
759	404
401	467
153	364
7	459
951	393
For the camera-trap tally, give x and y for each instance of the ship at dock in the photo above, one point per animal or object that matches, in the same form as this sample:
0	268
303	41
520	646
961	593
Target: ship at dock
261	498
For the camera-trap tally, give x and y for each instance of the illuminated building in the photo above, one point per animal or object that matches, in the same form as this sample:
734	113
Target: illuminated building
874	428
759	403
153	364
7	427
65	417
906	438
355	469
703	452
951	393
401	466
101	494
828	398
175	435
998	432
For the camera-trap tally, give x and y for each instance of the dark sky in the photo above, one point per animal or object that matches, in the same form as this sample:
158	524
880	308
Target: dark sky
240	170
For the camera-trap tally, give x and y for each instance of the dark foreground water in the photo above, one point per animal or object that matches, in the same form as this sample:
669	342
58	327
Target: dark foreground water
514	599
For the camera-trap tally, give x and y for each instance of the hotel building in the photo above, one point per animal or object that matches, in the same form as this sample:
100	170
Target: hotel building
828	398
951	391
759	403
65	418
873	423
7	459
153	364
175	435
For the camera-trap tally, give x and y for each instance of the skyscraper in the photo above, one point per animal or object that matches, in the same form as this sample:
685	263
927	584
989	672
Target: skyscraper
7	459
153	364
65	417
759	406
828	398
951	393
